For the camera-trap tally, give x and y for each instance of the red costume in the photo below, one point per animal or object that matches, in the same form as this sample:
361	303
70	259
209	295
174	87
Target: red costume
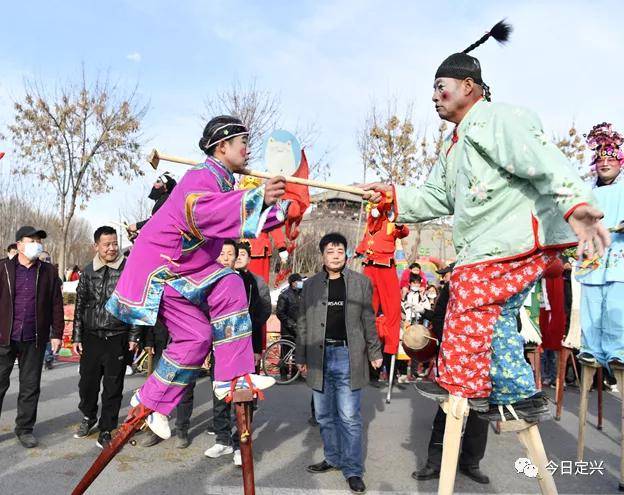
261	252
377	247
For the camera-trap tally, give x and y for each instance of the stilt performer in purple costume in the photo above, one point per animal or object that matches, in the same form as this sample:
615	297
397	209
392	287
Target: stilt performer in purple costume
172	274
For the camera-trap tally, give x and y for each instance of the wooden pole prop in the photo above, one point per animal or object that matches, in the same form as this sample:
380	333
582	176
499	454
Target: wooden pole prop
618	371
587	377
456	408
155	157
243	400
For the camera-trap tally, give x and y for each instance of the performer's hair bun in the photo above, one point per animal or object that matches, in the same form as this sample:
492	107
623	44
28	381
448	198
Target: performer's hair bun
219	129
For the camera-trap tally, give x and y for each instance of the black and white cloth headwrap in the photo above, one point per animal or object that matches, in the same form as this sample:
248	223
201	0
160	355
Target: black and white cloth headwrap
226	131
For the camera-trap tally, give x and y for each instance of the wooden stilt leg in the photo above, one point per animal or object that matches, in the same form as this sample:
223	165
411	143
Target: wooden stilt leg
150	364
587	377
600	387
618	372
562	363
532	440
390	379
243	401
456	408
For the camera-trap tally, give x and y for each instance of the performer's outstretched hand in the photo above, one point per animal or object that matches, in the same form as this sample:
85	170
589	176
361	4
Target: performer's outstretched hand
274	189
586	224
375	191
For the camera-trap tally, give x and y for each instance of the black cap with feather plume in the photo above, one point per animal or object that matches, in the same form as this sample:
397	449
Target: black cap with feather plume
461	65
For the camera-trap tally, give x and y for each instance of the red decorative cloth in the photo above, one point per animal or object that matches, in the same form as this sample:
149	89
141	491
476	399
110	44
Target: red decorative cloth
552	321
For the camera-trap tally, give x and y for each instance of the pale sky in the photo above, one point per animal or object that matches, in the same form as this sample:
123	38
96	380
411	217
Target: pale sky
327	60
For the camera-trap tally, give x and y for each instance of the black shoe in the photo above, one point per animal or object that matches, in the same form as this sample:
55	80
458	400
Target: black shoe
432	390
28	440
210	430
586	358
151	439
48	365
182	440
532	410
356	484
616	363
321	467
475	474
312	421
85	427
104	439
426	473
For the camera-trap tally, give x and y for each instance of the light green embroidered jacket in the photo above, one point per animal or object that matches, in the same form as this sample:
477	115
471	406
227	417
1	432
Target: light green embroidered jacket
509	188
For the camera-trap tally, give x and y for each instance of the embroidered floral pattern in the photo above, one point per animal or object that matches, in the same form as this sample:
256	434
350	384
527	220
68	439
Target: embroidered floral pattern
481	346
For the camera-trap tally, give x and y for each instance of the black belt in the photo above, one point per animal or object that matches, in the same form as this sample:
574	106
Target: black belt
335	343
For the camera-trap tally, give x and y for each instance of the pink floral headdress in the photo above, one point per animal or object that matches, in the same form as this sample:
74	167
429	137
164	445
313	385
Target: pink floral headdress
605	142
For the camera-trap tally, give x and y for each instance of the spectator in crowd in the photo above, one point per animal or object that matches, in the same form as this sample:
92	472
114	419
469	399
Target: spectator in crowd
100	339
48	359
288	307
475	433
31	313
414	269
415	302
160	192
263	302
73	275
11	250
432	293
336	338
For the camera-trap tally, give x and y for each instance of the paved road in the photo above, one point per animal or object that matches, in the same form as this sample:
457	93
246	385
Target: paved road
396	438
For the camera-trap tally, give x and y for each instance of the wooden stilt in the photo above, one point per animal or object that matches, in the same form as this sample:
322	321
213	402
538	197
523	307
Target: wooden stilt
562	363
150	364
534	356
243	401
390	379
529	436
587	377
456	408
618	372
600	388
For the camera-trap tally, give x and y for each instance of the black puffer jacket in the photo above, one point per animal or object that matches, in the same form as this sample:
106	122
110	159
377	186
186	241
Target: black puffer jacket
287	311
94	288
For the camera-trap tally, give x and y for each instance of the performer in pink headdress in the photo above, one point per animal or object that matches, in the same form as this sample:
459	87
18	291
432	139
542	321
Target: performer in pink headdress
173	274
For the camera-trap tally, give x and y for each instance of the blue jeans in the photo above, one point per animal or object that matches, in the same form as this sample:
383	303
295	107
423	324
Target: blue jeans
338	413
49	355
549	365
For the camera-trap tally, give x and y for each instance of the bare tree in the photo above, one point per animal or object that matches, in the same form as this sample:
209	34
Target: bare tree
77	138
574	148
258	109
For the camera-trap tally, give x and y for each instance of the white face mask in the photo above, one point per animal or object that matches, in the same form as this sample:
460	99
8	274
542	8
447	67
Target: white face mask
431	295
299	285
414	288
32	250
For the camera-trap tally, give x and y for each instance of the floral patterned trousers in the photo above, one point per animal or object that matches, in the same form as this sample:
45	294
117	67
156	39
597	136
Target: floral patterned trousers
482	352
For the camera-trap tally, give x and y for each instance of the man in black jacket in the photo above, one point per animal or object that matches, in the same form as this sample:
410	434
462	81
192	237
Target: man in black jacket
287	311
475	434
31	313
100	339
